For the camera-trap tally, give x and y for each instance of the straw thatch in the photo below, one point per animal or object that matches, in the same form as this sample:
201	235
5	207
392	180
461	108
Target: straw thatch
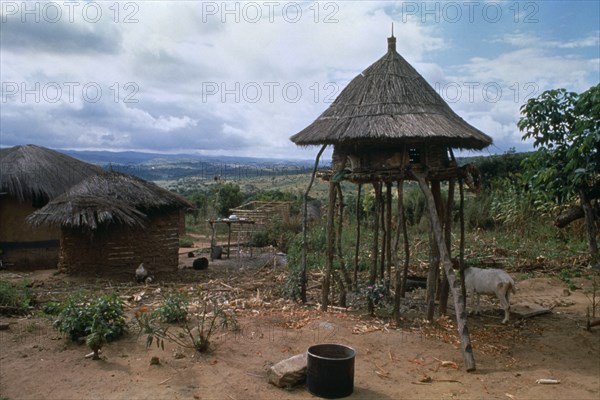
107	198
31	172
390	102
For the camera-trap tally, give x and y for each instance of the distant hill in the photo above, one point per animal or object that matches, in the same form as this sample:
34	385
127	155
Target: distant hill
154	166
135	157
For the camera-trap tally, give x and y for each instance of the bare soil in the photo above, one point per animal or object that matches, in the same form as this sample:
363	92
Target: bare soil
414	360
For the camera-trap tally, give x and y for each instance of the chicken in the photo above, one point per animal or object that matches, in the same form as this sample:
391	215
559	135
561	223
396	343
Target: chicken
141	274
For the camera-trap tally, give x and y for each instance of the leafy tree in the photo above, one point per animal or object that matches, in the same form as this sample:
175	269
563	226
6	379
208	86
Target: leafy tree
227	196
565	127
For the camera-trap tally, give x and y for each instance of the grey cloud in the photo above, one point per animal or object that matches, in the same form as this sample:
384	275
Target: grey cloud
62	37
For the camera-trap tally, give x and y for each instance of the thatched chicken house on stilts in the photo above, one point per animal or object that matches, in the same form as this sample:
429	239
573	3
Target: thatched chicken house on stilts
112	222
386	127
30	177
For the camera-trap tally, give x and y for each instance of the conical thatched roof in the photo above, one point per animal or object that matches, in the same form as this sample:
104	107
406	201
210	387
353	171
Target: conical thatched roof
28	172
390	102
107	198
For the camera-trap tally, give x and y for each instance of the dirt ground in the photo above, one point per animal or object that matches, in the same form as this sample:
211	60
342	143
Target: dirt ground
416	360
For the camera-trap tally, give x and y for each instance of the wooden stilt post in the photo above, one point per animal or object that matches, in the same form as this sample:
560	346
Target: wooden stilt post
357	246
434	259
330	232
382	210
461	253
402	214
340	254
388	236
375	249
444	286
399	284
303	278
461	315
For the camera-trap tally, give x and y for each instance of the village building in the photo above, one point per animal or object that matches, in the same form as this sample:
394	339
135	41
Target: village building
386	127
111	222
30	177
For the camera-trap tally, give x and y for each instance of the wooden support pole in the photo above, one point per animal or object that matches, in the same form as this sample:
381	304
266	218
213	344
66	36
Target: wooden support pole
340	253
461	254
400	282
434	257
388	236
357	246
444	286
402	213
330	232
303	278
461	314
384	234
228	239
375	249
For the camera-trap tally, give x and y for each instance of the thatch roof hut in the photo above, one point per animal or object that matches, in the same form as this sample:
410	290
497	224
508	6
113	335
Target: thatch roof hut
30	176
387	126
113	222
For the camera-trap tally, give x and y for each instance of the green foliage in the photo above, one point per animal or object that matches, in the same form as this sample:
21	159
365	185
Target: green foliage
15	299
499	166
226	196
186	241
52	308
173	308
377	293
315	258
565	128
196	331
414	205
295	200
566	275
80	316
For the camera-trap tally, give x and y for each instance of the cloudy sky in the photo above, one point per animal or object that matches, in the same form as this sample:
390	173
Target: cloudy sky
239	78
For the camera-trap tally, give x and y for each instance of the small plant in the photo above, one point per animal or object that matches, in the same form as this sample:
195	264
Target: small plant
196	331
99	320
566	276
52	308
186	241
376	293
173	308
15	299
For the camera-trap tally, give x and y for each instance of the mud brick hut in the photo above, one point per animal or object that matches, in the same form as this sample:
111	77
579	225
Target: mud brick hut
30	177
111	222
386	127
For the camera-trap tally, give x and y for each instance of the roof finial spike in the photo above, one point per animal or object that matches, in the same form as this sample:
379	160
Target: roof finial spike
392	41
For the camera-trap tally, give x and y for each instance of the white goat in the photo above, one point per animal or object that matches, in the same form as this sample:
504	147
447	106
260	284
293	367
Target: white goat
490	282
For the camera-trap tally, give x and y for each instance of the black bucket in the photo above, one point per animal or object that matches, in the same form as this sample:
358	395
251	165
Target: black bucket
216	253
330	370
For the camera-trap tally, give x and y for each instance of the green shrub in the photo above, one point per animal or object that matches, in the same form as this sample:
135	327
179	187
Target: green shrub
185	241
81	316
52	308
173	308
14	298
195	332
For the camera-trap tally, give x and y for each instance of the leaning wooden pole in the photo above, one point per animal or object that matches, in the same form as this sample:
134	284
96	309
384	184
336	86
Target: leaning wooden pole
303	278
461	314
